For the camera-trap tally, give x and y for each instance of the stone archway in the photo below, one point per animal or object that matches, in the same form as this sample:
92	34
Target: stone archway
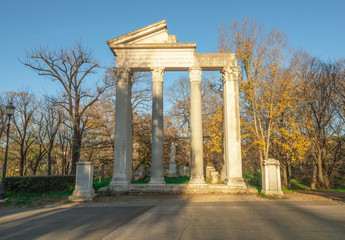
152	49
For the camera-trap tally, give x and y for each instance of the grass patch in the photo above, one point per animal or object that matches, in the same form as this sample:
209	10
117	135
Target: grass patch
142	181
298	186
259	188
330	190
253	178
288	190
177	180
168	180
35	199
97	185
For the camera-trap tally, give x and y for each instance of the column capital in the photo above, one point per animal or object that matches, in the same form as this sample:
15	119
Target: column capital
123	73
230	73
195	74
157	74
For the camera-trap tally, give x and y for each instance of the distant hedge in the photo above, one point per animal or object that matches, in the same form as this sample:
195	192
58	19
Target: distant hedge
40	184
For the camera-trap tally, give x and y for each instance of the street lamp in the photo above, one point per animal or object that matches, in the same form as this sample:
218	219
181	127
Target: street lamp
9	111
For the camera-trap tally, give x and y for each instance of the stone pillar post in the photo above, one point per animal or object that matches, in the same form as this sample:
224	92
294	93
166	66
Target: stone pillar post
232	133
271	183
123	145
84	183
157	170
197	173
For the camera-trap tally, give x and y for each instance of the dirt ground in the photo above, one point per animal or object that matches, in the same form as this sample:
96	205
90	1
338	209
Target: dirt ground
319	197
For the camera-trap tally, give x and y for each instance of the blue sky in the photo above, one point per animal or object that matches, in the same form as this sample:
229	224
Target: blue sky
317	26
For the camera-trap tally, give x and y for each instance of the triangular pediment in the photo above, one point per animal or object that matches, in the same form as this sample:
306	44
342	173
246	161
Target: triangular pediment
154	33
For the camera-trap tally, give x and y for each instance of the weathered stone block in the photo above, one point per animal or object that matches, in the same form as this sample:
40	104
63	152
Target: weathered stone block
84	183
187	171
148	171
208	170
271	182
181	171
172	169
214	176
139	174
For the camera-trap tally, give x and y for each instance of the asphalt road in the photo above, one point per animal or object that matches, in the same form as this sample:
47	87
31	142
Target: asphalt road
177	220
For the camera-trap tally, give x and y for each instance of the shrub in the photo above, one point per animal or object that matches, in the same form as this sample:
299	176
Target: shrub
39	184
253	178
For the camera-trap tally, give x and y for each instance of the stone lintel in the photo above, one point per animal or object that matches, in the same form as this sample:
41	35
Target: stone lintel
173	60
215	61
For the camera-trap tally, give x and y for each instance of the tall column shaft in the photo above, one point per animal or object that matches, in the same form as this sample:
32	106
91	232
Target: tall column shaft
232	134
123	144
197	173
157	169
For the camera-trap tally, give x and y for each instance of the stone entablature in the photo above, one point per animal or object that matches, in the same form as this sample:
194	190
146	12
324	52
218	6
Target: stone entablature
152	46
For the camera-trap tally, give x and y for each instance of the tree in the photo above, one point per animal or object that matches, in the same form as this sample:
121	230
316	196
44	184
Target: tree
265	90
179	96
39	147
25	103
52	121
319	92
70	67
3	117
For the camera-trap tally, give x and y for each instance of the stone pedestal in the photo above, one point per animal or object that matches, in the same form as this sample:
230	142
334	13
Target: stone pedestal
184	171
271	182
84	183
214	177
172	169
172	163
180	171
139	174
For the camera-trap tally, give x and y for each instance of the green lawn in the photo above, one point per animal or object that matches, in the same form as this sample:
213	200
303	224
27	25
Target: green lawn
168	180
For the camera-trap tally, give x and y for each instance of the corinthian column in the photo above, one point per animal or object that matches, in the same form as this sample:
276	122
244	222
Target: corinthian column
197	173
157	170
123	145
232	134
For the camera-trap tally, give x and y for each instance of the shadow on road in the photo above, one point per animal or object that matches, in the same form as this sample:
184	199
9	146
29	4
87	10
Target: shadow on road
67	223
337	196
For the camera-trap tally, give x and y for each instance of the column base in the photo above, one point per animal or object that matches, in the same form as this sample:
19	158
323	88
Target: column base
157	181
119	182
197	181
273	193
82	195
236	183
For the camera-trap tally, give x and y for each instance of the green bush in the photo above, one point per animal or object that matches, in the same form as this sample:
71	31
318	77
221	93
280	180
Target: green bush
253	178
39	184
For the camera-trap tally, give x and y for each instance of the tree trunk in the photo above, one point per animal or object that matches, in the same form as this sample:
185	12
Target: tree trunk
63	167
285	181
319	171
288	175
313	181
50	159
75	149
261	162
22	161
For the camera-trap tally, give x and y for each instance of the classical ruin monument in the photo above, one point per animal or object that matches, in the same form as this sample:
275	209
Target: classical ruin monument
152	49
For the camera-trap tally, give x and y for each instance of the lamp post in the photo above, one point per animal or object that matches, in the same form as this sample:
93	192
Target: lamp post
9	111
